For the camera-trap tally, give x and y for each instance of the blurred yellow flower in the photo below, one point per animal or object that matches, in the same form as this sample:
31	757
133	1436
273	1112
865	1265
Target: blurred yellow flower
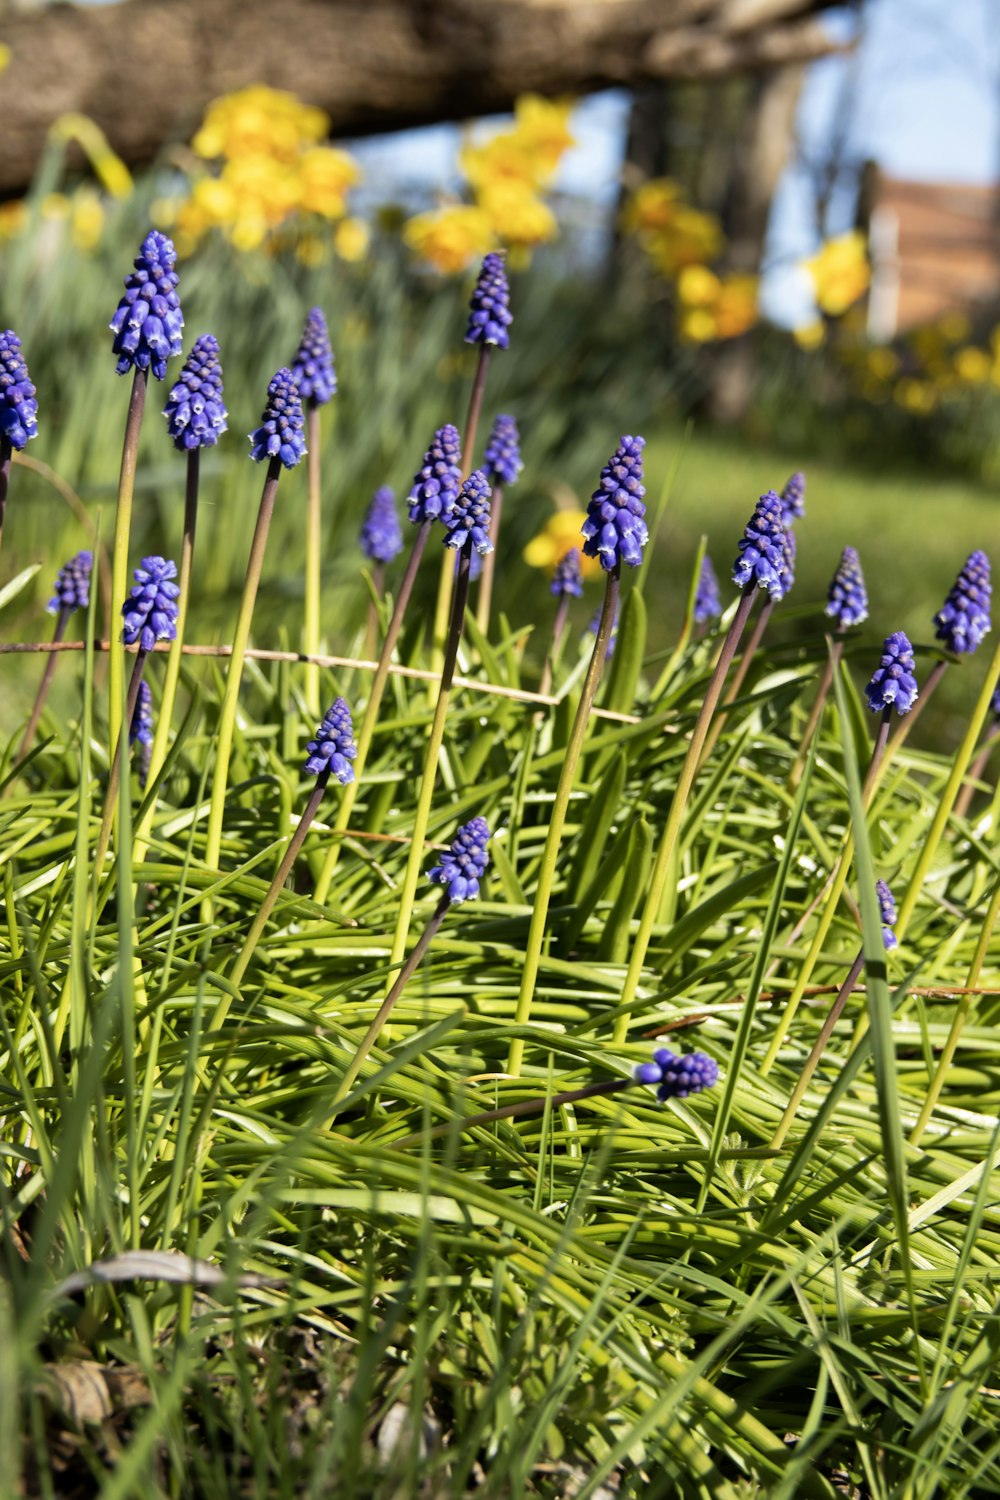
714	307
973	365
517	215
13	217
882	363
4	56
810	335
503	158
916	396
87	221
450	239
260	121
697	286
560	534
543	124
736	307
840	272
326	174
108	166
351	239
690	238
652	206
312	250
698	326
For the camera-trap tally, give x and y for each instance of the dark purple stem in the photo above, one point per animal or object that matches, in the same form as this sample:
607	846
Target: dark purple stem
834	652
111	800
43	687
475	407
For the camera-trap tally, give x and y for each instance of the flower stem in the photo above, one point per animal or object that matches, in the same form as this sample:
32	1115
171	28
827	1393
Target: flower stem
382	1014
241	636
371	628
62	620
442	612
314	540
739	677
111	799
6	458
558	630
432	754
518	1110
678	803
819	1045
557	820
835	649
489	562
375	693
119	558
975	771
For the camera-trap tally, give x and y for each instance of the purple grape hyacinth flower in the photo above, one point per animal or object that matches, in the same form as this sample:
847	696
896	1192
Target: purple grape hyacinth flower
72	586
489	308
887	915
964	618
847	600
439	479
678	1076
793	498
502	456
615	529
568	576
893	683
464	866
140	731
150	611
312	366
787	576
333	749
148	321
469	518
282	421
18	407
381	536
707	603
195	411
762	556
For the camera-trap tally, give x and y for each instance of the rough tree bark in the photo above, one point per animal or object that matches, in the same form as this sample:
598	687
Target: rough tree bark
144	70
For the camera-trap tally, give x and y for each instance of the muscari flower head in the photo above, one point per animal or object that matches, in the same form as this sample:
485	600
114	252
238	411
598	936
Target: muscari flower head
787	578
762	556
72	584
312	366
964	618
150	611
280	432
437	482
195	411
333	749
464	866
489	307
615	529
793	498
18	407
887	914
502	456
140	731
148	322
847	601
469	518
707	604
677	1077
381	537
567	578
893	683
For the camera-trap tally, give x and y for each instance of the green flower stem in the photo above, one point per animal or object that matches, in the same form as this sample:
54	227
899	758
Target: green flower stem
173	671
819	1045
371	1036
555	646
314	555
119	558
62	620
121	750
371	627
959	1019
959	767
415	860
739	677
442	611
291	854
835	649
375	693
517	1111
557	820
6	459
976	771
241	637
678	804
489	562
830	897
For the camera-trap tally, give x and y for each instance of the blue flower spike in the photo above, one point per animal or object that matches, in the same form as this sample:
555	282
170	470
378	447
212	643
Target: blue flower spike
312	366
469	519
762	558
140	731
677	1077
72	586
964	618
887	915
893	683
615	530
18	407
707	603
439	479
333	749
381	536
567	580
148	322
793	498
280	432
150	611
489	308
464	866
195	411
502	455
847	599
